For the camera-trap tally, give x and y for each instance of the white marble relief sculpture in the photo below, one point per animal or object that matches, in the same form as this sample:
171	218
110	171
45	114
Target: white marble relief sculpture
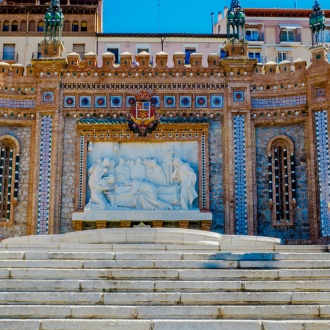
142	184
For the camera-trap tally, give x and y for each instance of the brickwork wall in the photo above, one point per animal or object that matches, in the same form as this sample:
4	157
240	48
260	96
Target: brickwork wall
69	174
23	135
216	176
300	229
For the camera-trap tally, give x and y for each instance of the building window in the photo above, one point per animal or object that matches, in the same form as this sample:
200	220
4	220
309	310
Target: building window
9	171
282	180
66	26
5	26
32	26
252	35
114	51
282	56
256	55
84	26
287	35
40	27
14	26
75	26
23	26
189	51
8	52
327	35
79	49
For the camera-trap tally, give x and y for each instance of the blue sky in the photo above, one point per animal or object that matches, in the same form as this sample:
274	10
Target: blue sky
177	15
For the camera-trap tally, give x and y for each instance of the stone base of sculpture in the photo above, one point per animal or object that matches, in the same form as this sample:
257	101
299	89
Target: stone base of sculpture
141	215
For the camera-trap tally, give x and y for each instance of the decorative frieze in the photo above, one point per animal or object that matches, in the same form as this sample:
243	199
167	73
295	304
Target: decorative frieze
278	102
322	143
44	175
240	175
14	103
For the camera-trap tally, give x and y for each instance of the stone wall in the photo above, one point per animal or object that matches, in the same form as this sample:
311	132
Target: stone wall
69	174
23	135
216	176
300	228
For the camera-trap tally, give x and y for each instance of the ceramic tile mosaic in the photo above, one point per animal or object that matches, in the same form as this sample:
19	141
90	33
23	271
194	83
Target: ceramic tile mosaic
278	102
185	101
22	104
320	92
85	101
69	101
48	96
130	101
44	175
169	102
203	171
216	101
81	171
238	96
100	102
322	143
240	175
116	101
201	101
155	101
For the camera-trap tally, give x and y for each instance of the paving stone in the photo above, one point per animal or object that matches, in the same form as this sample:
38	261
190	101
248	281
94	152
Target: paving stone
303	274
70	255
111	285
148	256
104	312
325	311
310	297
119	264
180	312
285	264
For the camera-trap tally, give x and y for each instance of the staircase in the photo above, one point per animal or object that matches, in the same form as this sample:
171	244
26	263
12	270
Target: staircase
162	279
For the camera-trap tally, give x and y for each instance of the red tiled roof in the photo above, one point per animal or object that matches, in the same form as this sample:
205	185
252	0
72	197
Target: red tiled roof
279	12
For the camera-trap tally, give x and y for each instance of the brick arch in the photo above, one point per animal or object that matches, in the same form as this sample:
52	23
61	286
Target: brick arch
13	140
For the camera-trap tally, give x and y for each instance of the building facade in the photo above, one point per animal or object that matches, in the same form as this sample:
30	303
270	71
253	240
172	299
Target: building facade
275	34
234	146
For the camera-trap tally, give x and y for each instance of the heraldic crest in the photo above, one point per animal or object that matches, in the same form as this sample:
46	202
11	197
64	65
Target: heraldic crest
143	119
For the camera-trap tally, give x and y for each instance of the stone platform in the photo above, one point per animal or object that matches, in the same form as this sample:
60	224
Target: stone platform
162	279
125	218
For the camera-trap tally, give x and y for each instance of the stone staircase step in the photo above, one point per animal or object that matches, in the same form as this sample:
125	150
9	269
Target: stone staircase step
174	312
185	298
309	264
160	285
163	324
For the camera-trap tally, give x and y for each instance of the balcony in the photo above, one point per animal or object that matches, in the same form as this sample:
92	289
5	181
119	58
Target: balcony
288	37
9	56
255	37
280	59
36	55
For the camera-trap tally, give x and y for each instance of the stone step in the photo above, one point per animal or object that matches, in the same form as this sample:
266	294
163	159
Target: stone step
161	255
76	247
163	324
159	285
174	312
174	298
176	274
165	264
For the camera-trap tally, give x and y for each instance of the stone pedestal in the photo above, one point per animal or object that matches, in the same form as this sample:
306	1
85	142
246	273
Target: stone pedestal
77	225
51	48
184	224
102	224
157	224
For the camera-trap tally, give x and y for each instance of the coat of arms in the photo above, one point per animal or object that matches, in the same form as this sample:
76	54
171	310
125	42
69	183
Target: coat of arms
143	119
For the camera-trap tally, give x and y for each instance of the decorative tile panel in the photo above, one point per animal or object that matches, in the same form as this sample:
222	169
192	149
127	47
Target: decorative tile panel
69	101
85	101
22	104
185	101
100	101
115	101
240	175
203	171
81	171
322	143
169	102
238	96
44	175
278	102
48	96
216	101
320	92
155	101
130	101
201	102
